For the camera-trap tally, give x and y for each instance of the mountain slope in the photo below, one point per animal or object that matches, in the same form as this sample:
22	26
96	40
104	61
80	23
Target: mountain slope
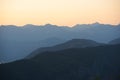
97	63
115	41
74	43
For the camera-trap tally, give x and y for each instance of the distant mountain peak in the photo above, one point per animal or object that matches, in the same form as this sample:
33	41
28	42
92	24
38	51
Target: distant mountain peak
74	43
81	41
8	25
29	25
83	25
80	26
96	24
75	40
50	25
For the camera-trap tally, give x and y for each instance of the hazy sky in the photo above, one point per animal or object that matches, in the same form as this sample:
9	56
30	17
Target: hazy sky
59	12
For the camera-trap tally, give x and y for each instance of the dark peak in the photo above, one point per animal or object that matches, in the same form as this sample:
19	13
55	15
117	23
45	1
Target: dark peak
83	25
81	40
29	25
77	25
80	25
10	25
50	25
96	24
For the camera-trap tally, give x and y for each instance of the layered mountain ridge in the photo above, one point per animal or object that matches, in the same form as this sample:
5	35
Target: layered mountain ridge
74	43
19	41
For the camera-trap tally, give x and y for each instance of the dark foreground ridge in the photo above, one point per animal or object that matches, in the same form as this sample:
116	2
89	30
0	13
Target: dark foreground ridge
74	43
96	63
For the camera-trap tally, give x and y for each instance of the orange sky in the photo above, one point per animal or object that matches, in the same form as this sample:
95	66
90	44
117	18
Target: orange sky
59	12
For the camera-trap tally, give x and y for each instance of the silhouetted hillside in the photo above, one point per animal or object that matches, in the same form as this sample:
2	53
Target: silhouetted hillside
74	43
96	63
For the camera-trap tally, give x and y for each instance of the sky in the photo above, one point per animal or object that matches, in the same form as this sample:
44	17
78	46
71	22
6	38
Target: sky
59	12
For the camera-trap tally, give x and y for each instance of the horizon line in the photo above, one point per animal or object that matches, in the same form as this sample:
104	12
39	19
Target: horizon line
59	25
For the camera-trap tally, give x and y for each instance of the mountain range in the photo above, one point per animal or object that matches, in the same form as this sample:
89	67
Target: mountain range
74	43
17	42
91	63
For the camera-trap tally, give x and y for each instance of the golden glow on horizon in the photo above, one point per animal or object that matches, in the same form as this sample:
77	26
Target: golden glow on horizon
59	12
